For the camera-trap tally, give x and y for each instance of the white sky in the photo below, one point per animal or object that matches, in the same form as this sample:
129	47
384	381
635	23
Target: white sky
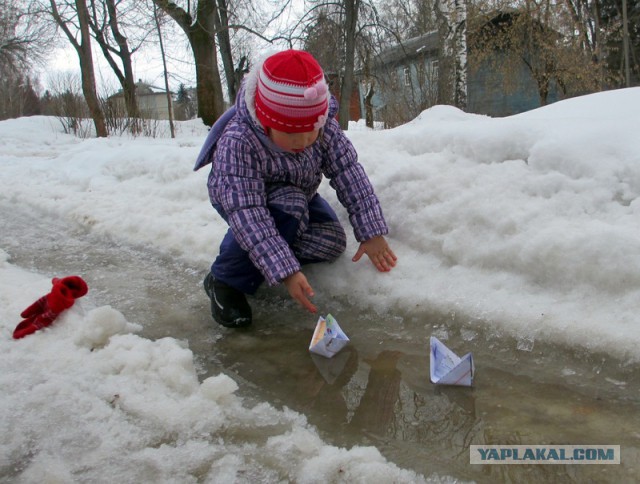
147	61
147	66
528	223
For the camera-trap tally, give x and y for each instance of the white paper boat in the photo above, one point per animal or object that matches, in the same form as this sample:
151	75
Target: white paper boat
447	368
328	338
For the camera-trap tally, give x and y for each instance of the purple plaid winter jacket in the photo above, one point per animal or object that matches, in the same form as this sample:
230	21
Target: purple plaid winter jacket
246	164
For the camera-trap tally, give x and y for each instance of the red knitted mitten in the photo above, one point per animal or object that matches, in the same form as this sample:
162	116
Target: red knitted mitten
46	309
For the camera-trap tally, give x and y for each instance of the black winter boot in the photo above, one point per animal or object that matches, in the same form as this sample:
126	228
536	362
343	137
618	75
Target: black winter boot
229	307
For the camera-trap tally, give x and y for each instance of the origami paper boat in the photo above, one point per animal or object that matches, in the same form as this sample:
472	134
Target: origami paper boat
328	338
447	368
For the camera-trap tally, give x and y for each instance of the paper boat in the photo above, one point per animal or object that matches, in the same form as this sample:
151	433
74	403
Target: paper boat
447	368
328	338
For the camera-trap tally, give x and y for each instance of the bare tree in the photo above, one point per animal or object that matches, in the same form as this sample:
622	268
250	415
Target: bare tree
199	27
105	22
585	19
156	16
334	32
66	102
221	19
79	13
323	36
369	85
542	39
24	39
405	19
215	26
621	39
452	81
351	9
237	24
460	54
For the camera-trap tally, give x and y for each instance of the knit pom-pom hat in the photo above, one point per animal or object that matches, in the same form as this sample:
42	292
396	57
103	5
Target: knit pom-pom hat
291	93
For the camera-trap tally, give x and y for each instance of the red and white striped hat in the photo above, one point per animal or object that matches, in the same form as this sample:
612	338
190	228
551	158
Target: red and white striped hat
291	94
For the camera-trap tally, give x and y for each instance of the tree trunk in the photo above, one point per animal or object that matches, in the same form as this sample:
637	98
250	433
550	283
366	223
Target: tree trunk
451	17
351	23
88	74
460	53
129	84
224	45
164	70
368	106
125	76
368	95
445	53
85	57
203	45
209	86
543	88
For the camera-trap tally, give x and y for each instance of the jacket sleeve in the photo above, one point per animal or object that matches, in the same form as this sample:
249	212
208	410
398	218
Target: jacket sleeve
349	180
237	184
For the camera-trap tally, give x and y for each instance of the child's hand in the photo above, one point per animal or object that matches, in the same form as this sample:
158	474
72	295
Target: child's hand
379	253
300	290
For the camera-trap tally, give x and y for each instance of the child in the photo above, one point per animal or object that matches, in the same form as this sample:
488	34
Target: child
269	153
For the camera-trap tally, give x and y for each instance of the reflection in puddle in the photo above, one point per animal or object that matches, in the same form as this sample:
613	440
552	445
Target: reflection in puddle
380	394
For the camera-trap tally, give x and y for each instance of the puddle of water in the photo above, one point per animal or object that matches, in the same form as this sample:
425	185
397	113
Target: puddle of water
377	391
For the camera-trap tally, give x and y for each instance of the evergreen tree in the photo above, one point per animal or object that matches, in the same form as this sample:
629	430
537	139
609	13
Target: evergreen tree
186	107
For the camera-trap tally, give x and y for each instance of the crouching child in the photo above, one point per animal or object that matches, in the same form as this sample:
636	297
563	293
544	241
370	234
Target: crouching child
269	153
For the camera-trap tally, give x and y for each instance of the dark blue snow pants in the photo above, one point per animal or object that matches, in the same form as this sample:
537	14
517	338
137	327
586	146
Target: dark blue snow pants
311	229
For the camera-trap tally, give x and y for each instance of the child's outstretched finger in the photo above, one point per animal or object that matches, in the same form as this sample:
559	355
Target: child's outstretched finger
302	294
308	305
300	290
359	253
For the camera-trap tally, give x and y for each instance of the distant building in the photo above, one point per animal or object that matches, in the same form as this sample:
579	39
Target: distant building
404	79
152	101
405	83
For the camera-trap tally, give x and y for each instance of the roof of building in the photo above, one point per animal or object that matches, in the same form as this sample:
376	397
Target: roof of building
409	48
144	89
